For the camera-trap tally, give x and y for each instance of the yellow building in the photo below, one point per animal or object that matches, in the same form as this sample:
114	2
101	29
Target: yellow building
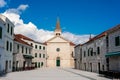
59	50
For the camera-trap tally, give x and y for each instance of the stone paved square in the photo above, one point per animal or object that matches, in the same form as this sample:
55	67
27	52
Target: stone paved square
52	74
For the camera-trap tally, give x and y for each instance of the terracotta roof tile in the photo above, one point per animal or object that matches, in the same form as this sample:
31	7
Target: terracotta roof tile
24	37
78	45
72	44
18	39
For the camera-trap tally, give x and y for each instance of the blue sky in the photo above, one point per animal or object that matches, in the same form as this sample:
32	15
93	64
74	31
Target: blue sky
76	16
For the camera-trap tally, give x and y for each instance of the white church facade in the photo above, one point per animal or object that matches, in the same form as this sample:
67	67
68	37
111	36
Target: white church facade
59	50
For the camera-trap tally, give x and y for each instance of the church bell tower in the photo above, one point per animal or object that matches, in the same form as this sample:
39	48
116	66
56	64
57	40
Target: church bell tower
57	29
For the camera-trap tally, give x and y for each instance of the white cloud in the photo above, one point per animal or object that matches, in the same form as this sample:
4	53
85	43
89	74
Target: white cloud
77	39
2	3
18	10
22	7
36	34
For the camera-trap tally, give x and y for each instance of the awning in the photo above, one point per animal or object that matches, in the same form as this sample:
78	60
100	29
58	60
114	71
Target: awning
110	54
28	56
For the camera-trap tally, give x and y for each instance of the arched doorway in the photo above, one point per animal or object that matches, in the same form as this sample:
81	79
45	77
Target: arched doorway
58	61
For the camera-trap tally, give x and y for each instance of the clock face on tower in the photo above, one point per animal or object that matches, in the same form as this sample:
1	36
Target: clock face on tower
58	49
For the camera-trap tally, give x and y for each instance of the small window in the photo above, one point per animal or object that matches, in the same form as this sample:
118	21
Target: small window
11	30
43	48
35	46
0	32
10	46
117	41
39	47
58	49
40	55
8	28
39	64
18	47
36	64
42	64
43	55
98	50
26	50
91	51
7	45
22	49
84	54
35	54
107	41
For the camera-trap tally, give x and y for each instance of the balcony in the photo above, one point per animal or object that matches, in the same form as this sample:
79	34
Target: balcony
28	56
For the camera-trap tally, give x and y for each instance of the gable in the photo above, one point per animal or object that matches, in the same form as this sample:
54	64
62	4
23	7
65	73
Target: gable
57	39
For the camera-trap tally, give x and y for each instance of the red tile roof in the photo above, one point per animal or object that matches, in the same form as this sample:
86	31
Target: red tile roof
72	44
24	37
96	37
78	45
18	39
45	43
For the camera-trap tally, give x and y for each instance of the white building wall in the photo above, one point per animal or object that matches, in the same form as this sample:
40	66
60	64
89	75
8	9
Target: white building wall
39	60
7	36
2	47
41	55
18	56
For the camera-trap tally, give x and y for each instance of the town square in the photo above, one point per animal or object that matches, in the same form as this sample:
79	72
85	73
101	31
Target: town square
59	40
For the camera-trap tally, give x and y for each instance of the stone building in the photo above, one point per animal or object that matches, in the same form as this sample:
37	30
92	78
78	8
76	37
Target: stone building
38	51
6	44
113	44
22	55
100	53
91	55
78	56
59	50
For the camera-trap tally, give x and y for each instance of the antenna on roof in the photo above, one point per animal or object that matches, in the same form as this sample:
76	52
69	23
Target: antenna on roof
90	37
